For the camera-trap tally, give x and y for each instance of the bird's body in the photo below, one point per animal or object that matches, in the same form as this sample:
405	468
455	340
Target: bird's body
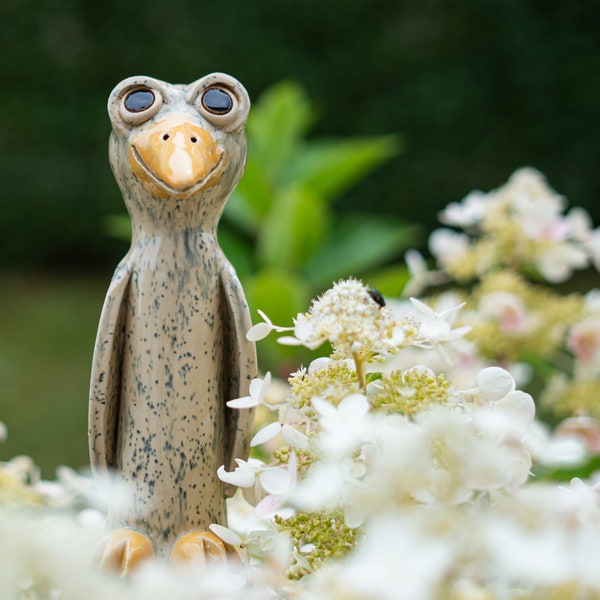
171	347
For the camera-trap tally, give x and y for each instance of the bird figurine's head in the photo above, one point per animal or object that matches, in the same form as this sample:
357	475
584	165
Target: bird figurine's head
178	151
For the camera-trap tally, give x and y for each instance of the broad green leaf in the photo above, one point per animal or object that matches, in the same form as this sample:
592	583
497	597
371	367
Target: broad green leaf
254	191
293	230
280	294
358	243
375	376
566	473
238	212
118	226
277	122
390	281
329	168
237	250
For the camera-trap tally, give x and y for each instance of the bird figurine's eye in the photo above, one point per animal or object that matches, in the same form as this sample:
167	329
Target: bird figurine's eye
139	99
217	101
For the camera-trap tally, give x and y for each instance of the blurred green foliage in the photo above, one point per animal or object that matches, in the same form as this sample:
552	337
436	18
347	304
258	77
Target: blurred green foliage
279	229
478	88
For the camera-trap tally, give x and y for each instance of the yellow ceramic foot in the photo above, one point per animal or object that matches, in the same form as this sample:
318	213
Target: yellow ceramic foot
194	550
123	550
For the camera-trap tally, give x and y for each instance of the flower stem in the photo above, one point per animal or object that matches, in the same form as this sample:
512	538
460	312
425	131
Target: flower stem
360	363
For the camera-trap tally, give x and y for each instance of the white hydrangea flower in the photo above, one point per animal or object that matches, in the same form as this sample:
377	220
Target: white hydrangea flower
261	330
244	475
583	340
420	275
448	247
436	328
348	316
258	392
494	383
467	213
509	310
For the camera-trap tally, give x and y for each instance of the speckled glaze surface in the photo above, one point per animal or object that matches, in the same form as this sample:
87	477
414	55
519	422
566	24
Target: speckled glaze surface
171	347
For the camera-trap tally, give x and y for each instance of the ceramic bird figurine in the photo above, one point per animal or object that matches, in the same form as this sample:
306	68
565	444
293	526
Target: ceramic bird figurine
171	347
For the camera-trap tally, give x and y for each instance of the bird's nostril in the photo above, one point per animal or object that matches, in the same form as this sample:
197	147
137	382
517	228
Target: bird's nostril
165	137
193	139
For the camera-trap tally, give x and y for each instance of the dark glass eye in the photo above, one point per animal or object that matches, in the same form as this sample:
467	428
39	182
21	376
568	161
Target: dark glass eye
138	100
217	101
376	295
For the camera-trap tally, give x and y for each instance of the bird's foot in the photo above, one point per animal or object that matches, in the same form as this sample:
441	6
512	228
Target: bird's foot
124	550
194	550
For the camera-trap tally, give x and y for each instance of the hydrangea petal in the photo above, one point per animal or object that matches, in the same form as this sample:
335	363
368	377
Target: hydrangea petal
519	405
226	534
243	476
294	438
258	332
266	434
494	383
245	402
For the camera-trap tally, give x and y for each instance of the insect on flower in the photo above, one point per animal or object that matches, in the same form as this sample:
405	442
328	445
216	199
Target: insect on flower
376	295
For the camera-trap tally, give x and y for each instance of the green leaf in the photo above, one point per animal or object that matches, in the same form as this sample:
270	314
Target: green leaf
118	226
253	194
583	471
373	377
239	212
277	122
281	295
237	250
293	230
329	168
390	281
357	244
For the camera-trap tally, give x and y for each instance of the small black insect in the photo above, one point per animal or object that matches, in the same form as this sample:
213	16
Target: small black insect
376	295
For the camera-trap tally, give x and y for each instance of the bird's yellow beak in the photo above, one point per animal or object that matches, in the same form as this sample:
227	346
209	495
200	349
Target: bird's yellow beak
177	157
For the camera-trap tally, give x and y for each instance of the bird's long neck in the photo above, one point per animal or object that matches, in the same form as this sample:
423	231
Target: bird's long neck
154	216
178	250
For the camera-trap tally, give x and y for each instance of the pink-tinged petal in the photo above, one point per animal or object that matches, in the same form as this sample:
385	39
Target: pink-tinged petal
266	434
228	536
267	506
275	480
245	402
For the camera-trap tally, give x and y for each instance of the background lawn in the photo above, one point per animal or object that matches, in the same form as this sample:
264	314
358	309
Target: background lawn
48	324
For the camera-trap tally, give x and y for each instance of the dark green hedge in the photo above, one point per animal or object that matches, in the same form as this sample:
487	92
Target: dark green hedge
478	88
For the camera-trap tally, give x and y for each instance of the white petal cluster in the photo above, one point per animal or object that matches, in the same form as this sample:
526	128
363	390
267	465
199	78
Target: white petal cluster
347	316
522	223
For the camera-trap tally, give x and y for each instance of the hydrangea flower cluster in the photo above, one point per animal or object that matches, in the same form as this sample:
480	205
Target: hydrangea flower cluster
514	244
411	451
520	225
408	462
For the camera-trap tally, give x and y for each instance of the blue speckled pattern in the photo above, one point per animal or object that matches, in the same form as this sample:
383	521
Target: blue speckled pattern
171	347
